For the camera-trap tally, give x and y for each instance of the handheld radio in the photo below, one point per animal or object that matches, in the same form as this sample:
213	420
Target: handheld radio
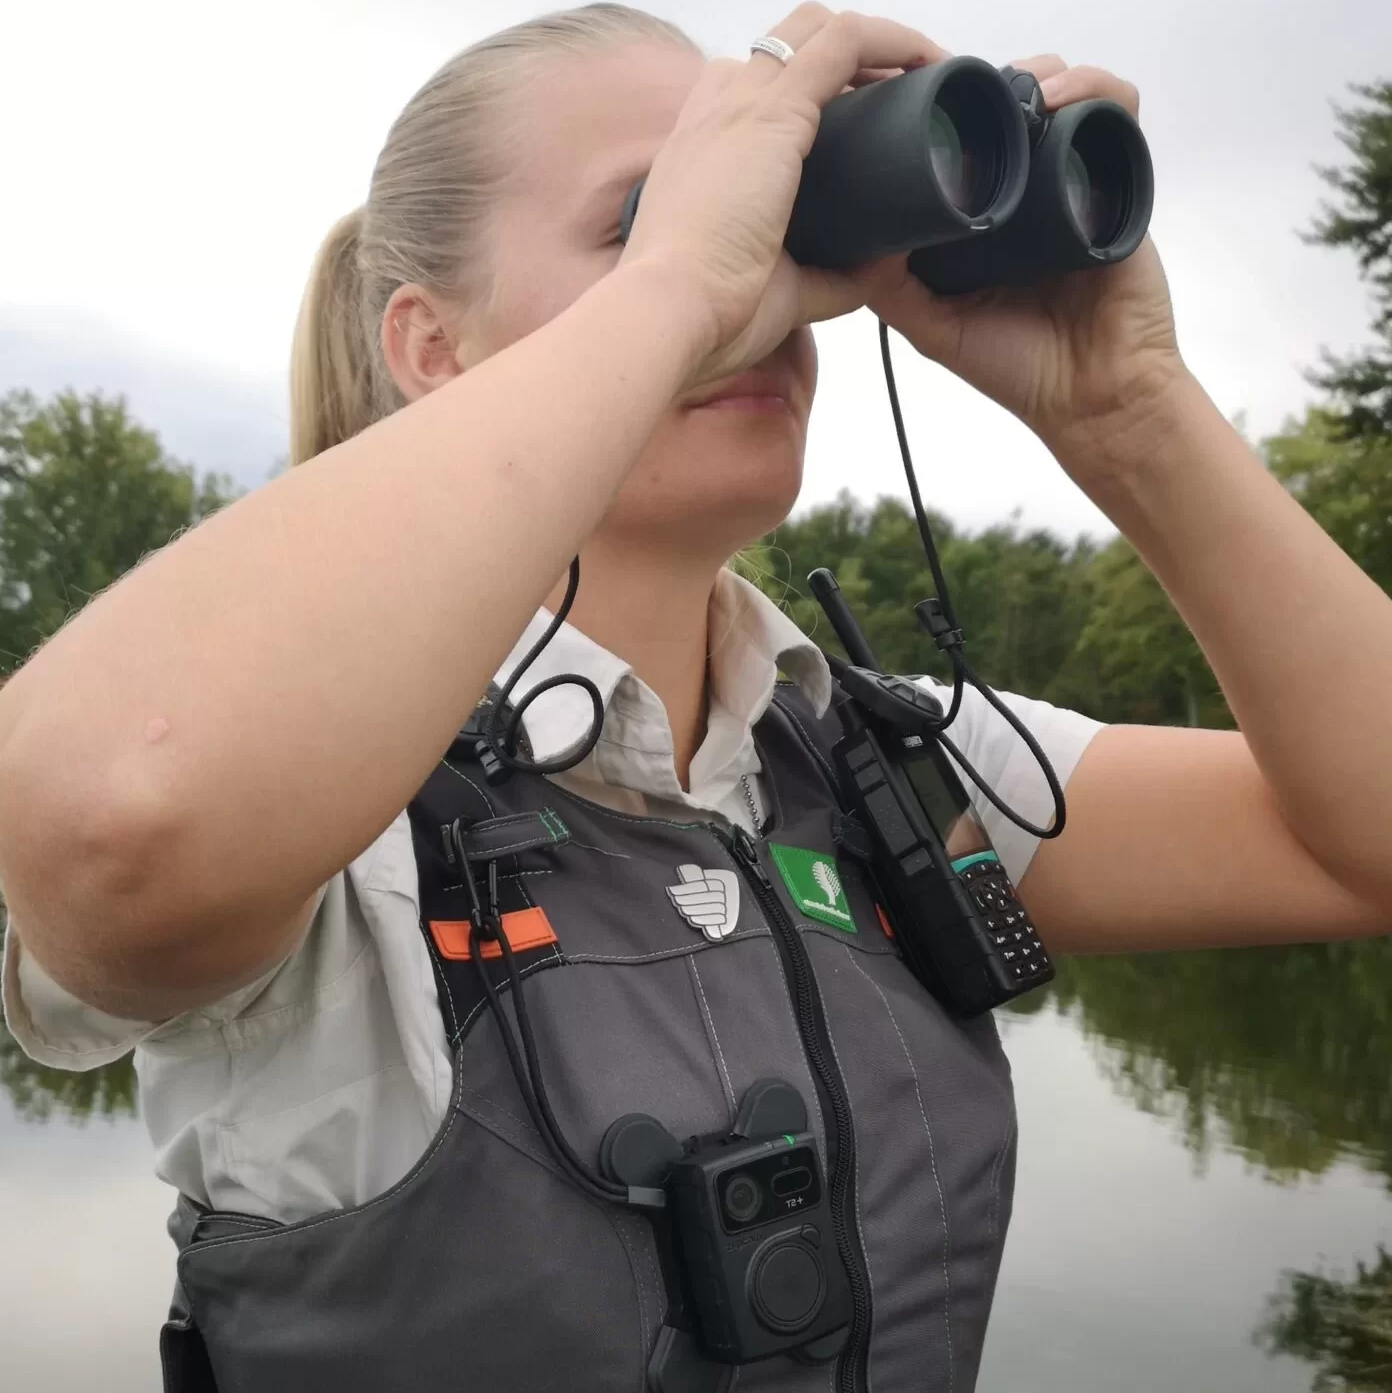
955	914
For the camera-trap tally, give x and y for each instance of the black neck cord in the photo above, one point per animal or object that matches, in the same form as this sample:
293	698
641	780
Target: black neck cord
949	638
504	744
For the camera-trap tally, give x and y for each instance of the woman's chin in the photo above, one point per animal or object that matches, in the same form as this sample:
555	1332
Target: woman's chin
725	475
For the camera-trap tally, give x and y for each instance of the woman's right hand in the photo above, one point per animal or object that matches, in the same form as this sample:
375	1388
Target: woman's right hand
716	204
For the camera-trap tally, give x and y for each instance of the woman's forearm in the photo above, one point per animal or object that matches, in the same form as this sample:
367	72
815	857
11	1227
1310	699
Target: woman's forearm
1299	638
243	713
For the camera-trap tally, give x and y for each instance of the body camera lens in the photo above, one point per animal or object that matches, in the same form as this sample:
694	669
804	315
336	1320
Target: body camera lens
743	1199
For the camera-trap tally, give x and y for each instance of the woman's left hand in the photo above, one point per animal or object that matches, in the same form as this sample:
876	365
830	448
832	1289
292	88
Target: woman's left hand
1076	357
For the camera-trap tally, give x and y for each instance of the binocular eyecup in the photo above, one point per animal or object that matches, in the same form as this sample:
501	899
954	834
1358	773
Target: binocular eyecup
959	165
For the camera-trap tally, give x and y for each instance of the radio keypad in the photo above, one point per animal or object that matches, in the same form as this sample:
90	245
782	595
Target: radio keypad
1012	934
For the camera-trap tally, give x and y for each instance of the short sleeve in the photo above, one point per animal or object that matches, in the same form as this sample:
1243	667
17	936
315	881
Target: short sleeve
998	754
55	1028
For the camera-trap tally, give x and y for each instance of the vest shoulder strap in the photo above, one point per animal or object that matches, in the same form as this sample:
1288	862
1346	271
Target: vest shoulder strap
818	736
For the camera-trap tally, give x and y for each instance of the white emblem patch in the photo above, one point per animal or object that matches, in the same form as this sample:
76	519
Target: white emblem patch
707	900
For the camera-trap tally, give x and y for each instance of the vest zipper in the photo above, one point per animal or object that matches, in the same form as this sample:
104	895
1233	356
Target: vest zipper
816	1042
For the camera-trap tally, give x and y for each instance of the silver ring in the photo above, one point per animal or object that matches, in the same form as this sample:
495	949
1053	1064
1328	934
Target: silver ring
775	48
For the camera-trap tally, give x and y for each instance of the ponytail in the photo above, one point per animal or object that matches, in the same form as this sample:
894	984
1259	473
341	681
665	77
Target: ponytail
331	396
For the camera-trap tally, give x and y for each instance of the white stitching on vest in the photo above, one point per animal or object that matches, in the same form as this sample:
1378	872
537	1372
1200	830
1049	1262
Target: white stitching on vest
618	1228
813	747
933	1158
459	774
714	1038
696	946
441	980
648	1243
524	1123
503	875
998	1170
585	846
587	806
545	960
525	845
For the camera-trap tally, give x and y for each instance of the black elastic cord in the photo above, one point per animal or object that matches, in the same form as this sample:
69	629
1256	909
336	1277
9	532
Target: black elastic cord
939	582
961	670
503	744
488	928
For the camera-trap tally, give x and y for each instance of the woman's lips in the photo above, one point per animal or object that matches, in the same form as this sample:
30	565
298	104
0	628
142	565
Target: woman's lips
762	404
760	391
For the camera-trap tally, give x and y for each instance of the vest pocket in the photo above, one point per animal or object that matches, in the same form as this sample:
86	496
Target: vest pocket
227	1223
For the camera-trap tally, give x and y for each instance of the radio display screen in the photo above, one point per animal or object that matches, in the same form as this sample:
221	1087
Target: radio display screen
952	816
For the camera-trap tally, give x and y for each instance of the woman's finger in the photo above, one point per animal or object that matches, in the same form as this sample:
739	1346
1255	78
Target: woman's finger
795	31
1081	84
826	295
1045	65
848	43
868	75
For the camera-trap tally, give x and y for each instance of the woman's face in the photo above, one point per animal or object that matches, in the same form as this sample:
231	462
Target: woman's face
725	463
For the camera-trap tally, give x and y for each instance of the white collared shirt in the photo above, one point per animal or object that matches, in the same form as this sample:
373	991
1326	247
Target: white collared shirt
320	1085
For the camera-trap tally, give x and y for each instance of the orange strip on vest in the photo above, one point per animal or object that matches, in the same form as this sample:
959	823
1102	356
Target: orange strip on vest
525	928
884	923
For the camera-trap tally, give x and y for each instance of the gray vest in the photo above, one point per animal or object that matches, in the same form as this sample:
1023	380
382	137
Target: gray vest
484	1268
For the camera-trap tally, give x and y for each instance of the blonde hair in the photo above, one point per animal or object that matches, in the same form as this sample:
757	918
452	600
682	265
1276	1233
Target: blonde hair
422	221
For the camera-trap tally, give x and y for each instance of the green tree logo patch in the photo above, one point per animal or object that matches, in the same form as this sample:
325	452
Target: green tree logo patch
814	884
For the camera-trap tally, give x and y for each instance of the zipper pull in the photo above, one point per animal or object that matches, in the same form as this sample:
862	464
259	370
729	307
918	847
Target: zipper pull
742	844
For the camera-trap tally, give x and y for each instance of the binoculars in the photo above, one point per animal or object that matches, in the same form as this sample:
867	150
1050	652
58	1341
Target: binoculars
959	165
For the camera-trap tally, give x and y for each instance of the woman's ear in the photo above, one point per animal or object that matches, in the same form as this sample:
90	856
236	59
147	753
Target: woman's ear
422	347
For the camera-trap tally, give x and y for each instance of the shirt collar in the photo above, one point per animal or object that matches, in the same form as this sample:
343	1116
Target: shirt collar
750	640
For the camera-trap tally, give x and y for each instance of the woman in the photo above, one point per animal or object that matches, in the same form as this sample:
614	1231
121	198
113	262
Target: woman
211	861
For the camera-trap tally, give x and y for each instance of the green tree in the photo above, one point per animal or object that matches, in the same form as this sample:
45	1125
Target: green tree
1360	220
1345	483
878	561
1021	598
85	494
1134	660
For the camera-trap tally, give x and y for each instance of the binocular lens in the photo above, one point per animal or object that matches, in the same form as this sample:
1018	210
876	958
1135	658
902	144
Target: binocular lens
945	152
1097	183
966	147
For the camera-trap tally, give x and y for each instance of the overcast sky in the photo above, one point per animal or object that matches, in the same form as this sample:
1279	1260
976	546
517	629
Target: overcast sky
170	169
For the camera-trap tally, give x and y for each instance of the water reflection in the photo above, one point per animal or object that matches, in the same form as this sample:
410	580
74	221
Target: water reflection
1282	1054
1343	1327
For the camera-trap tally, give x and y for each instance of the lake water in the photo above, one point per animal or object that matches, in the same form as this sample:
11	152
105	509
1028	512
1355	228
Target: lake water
1205	1160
